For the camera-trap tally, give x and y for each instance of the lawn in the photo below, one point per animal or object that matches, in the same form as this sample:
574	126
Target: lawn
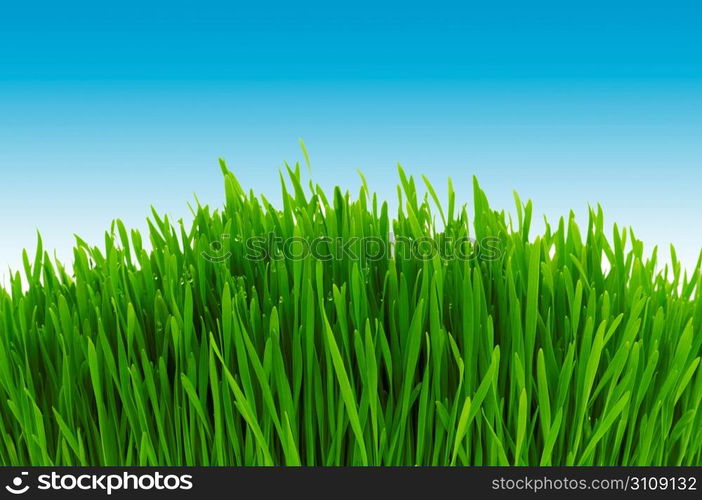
328	331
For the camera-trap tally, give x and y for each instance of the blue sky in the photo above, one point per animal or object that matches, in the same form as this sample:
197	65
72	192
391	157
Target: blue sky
106	109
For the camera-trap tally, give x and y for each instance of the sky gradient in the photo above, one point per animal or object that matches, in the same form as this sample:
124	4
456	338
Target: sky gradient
108	109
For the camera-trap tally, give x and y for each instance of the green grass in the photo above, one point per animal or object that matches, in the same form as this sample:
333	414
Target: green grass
540	356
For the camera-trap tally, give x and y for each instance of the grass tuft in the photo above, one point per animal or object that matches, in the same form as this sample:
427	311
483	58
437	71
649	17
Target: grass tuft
526	352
